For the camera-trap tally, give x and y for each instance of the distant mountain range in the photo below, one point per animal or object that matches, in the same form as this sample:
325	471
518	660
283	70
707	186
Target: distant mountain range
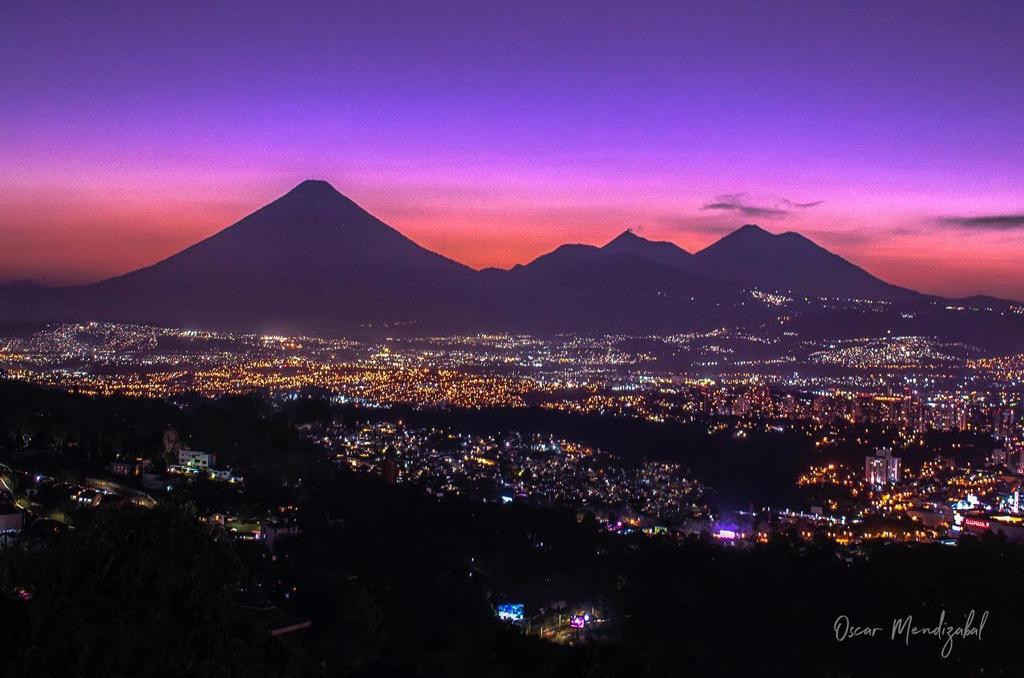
314	261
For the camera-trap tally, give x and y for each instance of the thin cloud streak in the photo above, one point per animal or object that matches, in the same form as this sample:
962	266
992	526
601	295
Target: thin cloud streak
737	202
993	222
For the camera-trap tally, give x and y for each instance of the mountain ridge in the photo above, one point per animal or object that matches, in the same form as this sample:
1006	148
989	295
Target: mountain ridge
791	262
315	261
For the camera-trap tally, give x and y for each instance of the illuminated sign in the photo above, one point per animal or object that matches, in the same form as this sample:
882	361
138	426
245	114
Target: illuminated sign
578	621
976	522
511	612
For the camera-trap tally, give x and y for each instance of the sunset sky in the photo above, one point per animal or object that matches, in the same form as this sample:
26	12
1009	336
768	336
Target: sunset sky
891	133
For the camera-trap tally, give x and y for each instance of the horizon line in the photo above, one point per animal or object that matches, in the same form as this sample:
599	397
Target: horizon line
35	282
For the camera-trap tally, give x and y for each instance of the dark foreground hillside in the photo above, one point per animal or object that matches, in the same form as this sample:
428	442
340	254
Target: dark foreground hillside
394	582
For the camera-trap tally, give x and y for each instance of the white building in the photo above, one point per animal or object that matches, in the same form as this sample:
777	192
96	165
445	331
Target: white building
196	459
882	468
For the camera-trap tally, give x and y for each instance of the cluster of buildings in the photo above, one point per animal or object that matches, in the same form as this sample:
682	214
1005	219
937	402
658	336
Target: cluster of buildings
189	463
196	464
35	501
722	372
511	467
941	500
891	392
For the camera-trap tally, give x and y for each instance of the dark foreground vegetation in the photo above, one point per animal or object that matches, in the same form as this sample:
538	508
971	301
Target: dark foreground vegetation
398	583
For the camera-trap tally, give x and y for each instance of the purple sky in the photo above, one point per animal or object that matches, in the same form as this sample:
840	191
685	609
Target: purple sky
494	131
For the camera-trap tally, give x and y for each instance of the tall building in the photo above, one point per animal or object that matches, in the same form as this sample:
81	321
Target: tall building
947	415
1015	460
912	414
740	406
882	468
1003	420
790	407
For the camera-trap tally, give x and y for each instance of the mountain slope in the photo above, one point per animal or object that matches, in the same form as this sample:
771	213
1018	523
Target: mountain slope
789	262
311	260
665	253
314	262
582	288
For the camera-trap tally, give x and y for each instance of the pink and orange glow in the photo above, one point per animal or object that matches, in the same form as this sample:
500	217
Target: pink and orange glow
492	136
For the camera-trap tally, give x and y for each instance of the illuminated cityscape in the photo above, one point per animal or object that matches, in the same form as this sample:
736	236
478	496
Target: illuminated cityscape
737	439
913	399
531	339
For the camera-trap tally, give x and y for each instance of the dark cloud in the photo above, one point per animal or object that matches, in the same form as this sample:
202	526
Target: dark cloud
734	202
737	202
991	222
748	210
